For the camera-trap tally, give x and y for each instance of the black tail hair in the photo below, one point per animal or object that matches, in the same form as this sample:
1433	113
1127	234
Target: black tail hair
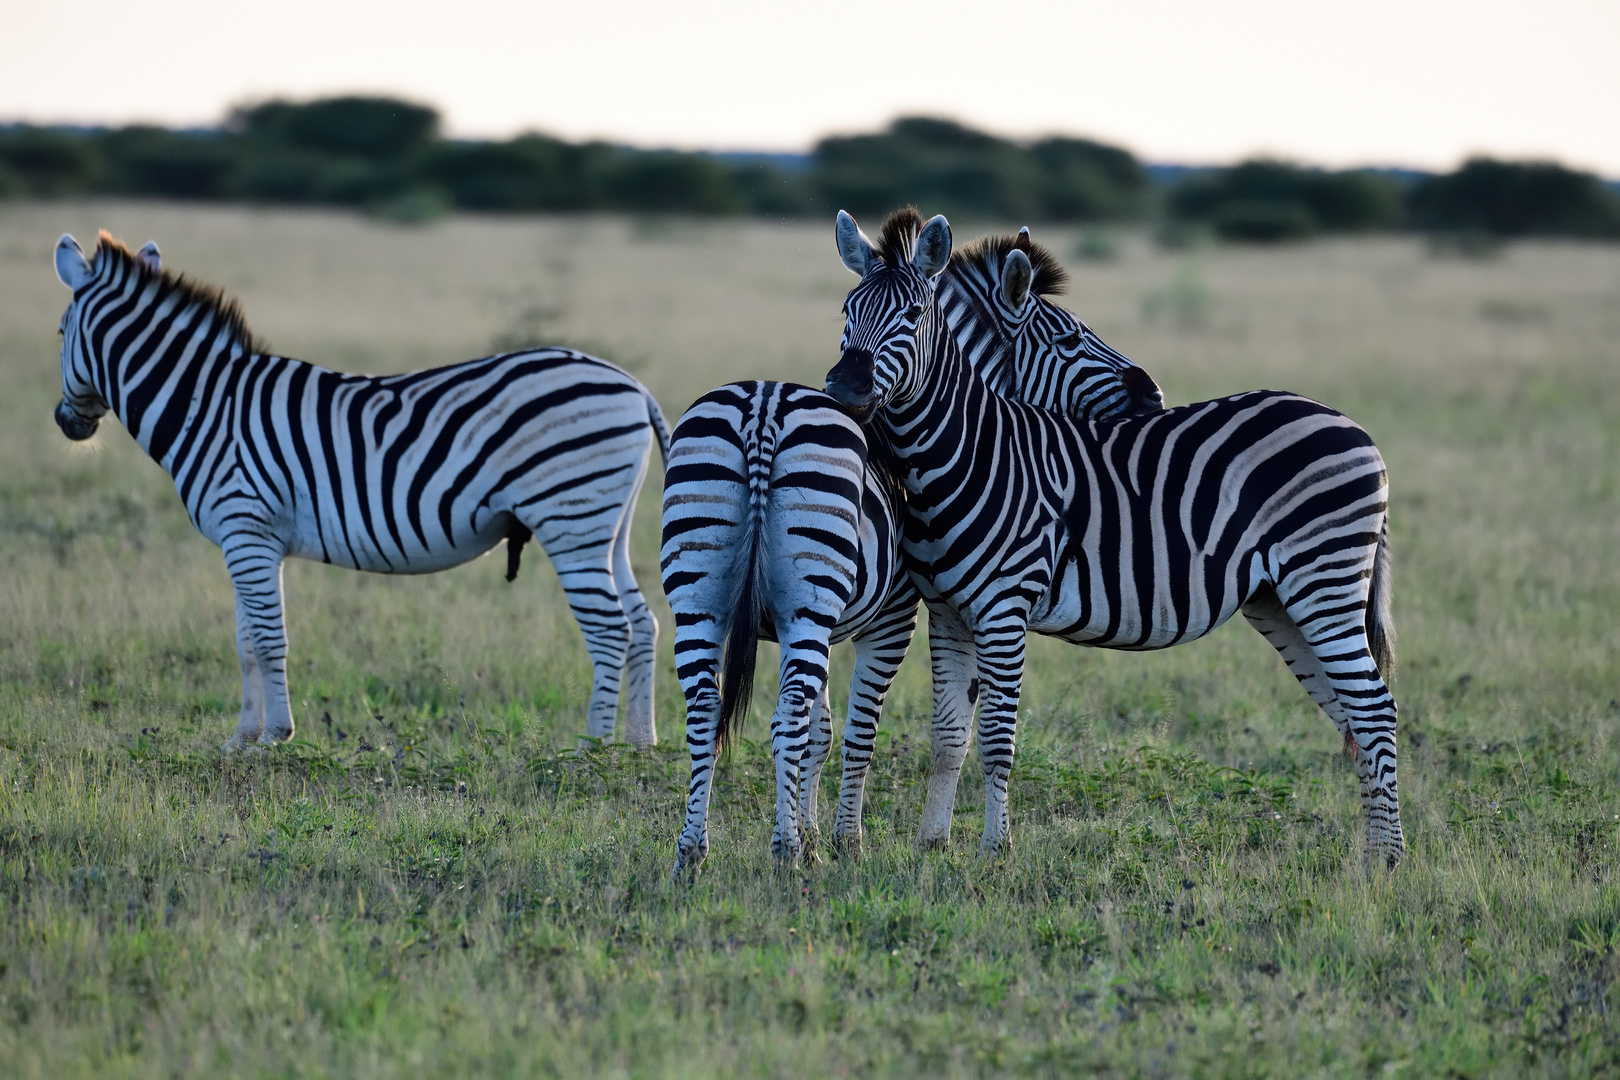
742	646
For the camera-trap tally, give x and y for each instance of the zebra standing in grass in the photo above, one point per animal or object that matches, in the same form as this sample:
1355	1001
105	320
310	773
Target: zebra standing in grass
412	473
1137	533
777	523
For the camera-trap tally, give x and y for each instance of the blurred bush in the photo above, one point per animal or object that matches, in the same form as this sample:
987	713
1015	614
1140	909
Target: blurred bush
1505	198
955	170
389	158
1265	200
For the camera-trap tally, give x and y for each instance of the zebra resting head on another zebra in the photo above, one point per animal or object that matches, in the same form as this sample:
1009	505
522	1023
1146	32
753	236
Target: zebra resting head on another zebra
1135	533
781	522
406	474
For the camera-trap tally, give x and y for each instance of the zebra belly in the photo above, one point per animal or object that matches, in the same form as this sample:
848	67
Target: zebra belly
1141	615
362	551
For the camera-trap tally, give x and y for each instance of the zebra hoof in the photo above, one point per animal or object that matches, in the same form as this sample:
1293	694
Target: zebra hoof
995	848
847	845
274	738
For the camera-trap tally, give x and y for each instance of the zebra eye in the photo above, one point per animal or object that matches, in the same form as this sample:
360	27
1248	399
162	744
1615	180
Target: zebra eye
914	312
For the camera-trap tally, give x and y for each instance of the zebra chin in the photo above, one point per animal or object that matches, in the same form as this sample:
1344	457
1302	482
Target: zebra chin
850	383
74	426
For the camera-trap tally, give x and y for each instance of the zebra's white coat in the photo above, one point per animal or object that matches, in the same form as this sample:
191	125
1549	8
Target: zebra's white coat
412	473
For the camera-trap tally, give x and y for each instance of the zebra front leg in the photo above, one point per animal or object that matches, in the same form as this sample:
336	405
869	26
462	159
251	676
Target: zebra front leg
954	659
697	662
251	721
255	568
1001	673
879	650
810	770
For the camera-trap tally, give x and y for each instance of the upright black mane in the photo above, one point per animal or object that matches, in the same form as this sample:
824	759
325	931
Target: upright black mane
191	293
898	240
1050	277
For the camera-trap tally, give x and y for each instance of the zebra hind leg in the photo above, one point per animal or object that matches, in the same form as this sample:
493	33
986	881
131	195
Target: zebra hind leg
1361	705
640	730
697	664
810	772
805	650
593	596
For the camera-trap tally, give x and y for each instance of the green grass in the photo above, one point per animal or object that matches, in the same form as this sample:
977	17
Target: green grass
436	883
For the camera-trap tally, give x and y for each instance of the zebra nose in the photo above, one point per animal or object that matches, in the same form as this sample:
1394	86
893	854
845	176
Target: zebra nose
850	382
74	426
1145	393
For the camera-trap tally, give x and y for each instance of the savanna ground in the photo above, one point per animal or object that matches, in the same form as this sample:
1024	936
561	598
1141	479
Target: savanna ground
431	880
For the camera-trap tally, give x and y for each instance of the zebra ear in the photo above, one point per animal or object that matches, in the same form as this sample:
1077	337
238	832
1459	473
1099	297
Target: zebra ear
1016	276
853	246
933	246
150	256
72	268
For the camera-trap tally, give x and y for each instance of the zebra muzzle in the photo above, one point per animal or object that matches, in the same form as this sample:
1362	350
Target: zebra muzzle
850	382
74	426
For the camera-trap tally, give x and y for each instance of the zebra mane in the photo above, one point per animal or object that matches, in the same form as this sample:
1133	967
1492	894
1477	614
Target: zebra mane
991	251
898	241
194	294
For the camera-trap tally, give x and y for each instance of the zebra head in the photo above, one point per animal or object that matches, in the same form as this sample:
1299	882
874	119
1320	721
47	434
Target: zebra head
995	296
890	317
79	412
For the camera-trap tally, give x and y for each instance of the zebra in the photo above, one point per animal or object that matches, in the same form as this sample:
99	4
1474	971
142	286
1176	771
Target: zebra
275	457
1135	533
779	521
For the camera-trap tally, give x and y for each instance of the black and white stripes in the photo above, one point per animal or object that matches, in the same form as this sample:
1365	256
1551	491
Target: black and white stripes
782	521
1132	534
412	473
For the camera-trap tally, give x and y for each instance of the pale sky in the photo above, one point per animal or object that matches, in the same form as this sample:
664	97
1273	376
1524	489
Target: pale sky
1388	82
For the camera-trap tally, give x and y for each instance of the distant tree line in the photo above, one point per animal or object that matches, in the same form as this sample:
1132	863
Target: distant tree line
388	156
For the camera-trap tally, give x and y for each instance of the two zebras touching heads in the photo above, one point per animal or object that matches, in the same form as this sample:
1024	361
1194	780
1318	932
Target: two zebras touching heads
980	449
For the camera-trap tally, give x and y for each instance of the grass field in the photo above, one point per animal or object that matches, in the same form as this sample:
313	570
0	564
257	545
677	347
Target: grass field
430	881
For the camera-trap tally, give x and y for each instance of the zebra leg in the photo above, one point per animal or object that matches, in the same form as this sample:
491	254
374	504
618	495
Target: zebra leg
1001	648
255	569
954	659
879	649
697	664
803	685
640	731
810	770
251	722
593	596
1362	706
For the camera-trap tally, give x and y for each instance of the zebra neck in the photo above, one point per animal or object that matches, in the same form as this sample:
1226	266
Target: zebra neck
161	386
968	304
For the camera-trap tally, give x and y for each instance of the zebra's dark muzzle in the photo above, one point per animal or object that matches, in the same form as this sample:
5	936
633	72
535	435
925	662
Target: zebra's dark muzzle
1146	397
76	427
850	382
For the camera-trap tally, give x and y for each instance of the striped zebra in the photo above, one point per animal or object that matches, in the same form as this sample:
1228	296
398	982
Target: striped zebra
274	457
778	522
1137	533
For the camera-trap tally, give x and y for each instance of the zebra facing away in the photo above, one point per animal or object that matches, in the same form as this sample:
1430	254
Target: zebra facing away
777	523
1137	533
274	457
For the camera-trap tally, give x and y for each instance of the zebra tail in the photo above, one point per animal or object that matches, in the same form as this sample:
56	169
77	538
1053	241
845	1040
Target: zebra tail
659	424
1380	619
742	636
